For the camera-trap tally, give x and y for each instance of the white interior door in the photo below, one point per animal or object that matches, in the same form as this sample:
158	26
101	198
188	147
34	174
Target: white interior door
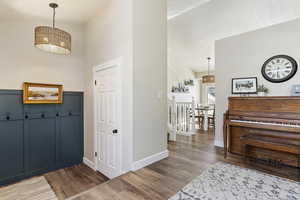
108	117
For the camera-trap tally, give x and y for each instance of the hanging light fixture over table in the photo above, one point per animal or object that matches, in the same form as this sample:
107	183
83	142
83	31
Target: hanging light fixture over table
208	78
52	39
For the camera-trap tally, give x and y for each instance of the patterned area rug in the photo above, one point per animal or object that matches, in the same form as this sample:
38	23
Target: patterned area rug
33	189
224	181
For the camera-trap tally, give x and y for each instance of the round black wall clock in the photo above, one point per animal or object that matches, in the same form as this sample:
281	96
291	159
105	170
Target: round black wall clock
279	68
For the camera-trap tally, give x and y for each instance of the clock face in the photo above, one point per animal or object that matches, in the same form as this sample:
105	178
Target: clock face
279	68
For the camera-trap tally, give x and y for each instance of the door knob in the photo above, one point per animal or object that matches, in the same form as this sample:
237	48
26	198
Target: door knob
115	131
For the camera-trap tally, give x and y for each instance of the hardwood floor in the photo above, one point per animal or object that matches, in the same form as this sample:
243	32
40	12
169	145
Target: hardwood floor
189	156
36	188
73	180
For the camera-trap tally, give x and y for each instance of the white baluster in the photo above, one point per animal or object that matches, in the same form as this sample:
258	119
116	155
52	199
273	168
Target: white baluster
193	115
182	118
174	120
187	114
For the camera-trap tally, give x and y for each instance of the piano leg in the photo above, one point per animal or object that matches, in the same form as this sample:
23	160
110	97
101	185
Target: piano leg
245	148
299	167
225	139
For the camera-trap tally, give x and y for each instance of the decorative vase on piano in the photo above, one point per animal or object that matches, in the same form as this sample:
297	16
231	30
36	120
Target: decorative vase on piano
262	91
261	94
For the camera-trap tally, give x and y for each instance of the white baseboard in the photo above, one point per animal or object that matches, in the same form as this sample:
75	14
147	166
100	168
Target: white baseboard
219	143
89	163
149	160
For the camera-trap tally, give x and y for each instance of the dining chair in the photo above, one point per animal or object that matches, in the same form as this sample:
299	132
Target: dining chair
199	115
212	117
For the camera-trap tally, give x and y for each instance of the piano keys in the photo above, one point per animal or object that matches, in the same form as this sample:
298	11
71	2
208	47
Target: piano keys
266	123
270	126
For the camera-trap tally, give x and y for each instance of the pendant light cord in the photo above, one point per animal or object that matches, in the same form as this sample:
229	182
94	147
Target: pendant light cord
53	17
208	61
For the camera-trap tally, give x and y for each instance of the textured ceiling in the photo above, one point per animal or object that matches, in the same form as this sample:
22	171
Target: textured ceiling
69	10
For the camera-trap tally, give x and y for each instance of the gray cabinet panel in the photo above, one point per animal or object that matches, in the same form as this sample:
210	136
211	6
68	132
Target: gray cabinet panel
11	104
38	111
11	149
72	104
69	140
41	144
12	160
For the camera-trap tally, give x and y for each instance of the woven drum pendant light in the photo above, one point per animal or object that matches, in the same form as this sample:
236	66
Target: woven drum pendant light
208	78
52	39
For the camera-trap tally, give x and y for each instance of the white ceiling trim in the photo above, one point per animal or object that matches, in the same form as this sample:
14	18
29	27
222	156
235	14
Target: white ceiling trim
172	15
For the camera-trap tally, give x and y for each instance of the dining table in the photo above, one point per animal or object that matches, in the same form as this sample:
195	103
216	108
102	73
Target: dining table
205	111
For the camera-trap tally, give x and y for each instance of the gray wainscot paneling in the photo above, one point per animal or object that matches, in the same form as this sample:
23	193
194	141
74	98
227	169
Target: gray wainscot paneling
38	138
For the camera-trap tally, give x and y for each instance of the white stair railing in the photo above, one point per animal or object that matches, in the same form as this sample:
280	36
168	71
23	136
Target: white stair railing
181	118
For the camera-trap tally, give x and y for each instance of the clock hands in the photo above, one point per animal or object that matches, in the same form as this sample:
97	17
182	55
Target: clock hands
278	69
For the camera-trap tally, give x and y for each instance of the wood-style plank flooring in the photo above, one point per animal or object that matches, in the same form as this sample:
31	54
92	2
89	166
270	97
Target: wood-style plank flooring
36	188
189	156
73	180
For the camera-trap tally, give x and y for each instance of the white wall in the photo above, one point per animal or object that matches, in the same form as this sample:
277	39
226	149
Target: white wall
109	36
178	75
20	61
150	77
136	31
243	55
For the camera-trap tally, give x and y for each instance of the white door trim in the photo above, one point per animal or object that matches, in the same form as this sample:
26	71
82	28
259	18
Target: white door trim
110	64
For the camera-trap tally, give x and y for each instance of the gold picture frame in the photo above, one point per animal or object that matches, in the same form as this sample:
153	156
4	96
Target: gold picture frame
34	93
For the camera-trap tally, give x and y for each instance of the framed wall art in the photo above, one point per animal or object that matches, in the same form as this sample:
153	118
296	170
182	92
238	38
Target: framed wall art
244	85
42	93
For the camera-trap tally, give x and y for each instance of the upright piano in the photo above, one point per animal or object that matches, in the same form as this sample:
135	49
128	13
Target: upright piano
268	126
